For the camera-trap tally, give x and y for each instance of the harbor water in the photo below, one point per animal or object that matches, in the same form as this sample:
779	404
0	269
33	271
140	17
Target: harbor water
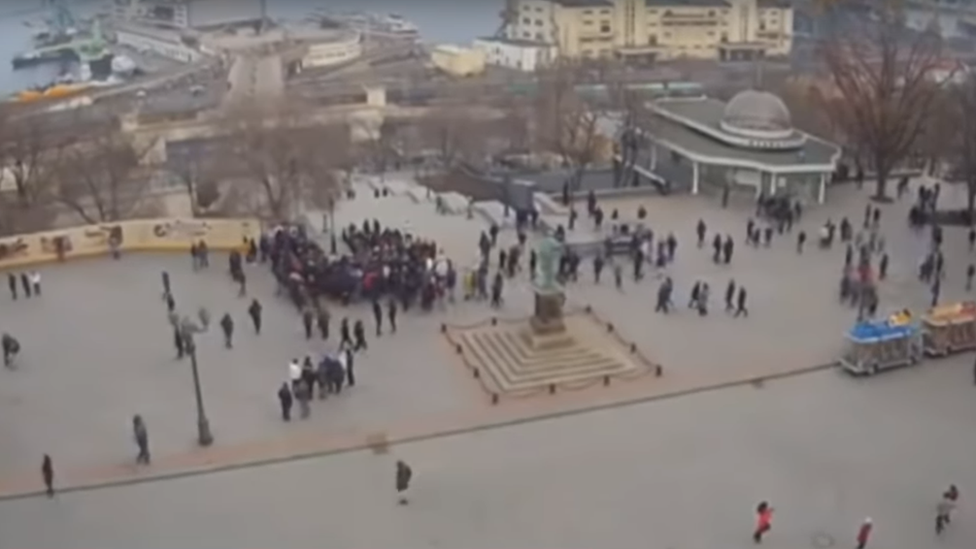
439	21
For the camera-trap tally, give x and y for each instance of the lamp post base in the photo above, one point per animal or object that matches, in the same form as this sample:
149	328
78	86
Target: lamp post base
204	436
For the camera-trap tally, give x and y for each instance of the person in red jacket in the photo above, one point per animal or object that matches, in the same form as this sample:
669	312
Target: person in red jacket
864	533
764	521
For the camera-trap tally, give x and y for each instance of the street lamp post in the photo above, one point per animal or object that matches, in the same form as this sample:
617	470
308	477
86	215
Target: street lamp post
188	330
332	235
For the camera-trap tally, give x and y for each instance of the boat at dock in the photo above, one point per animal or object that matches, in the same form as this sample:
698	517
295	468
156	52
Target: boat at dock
43	56
390	23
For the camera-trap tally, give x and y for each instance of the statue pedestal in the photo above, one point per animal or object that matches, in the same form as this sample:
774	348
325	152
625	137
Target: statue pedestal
547	328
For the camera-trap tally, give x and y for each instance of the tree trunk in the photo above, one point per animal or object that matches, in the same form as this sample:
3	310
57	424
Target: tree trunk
880	193
970	198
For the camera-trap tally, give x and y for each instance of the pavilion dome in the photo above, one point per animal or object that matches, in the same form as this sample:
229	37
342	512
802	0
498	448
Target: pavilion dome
758	114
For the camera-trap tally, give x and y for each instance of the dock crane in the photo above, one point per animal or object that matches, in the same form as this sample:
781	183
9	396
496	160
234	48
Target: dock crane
508	15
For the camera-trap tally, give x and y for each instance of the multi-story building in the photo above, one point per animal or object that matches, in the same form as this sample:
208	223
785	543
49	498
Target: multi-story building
647	30
185	14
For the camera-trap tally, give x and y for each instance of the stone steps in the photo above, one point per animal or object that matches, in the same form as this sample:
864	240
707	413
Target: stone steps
512	365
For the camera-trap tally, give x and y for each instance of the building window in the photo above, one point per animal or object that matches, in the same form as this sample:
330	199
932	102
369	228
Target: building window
526	21
526	34
538	36
587	12
587	22
652	12
605	26
725	38
538	22
711	13
538	9
762	25
652	39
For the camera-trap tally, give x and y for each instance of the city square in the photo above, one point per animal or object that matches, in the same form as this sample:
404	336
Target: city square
824	449
114	358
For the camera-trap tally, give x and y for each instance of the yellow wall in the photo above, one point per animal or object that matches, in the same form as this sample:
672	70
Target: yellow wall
679	30
142	235
458	61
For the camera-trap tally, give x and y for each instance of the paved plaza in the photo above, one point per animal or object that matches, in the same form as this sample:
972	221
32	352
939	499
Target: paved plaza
97	348
687	473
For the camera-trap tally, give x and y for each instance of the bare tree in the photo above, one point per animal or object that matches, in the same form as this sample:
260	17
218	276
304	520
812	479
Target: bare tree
445	129
568	125
377	143
104	178
281	158
883	73
960	115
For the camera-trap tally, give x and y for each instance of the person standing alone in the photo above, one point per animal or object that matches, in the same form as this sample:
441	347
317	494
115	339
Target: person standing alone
764	521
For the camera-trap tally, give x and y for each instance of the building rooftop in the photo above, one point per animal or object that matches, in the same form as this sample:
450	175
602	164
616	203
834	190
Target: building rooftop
513	41
780	4
691	126
585	3
688	3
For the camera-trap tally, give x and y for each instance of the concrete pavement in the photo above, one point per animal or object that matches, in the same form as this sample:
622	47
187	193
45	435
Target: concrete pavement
74	399
825	450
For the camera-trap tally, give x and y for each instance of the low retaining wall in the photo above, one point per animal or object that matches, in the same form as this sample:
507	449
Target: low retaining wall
145	235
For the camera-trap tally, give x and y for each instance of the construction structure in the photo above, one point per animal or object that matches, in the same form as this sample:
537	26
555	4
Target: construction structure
644	31
191	14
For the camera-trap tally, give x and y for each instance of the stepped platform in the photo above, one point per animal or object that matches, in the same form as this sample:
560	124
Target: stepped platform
511	360
454	203
494	212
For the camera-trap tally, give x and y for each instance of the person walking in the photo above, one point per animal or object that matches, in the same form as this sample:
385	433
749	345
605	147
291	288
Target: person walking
35	278
322	319
307	318
741	309
254	311
359	333
303	394
378	317
141	436
391	315
166	287
47	473
25	282
730	296
944	509
403	475
12	284
764	521
227	325
864	533
286	400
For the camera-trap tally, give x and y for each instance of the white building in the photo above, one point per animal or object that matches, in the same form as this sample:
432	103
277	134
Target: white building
159	41
510	53
324	47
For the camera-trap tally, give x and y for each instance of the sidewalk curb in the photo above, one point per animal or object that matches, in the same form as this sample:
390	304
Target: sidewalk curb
407	439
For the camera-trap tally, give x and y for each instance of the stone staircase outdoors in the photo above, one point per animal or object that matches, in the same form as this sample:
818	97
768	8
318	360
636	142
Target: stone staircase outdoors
508	364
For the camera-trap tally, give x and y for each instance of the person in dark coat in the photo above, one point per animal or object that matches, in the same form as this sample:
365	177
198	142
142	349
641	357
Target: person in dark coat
178	343
25	282
307	318
286	400
254	311
391	315
359	332
346	340
242	280
323	323
170	303
350	372
141	436
378	317
166	288
227	325
403	475
337	376
47	473
12	284
10	347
